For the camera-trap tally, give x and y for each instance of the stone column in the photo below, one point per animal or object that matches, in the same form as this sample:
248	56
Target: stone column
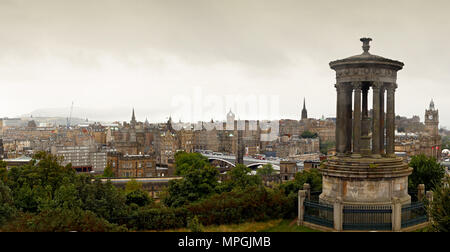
429	196
396	215
340	120
376	120
390	118
357	120
338	214
420	192
382	137
348	118
301	206
307	188
365	138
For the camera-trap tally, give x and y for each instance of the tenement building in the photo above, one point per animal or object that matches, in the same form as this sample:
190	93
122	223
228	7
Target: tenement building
365	169
124	165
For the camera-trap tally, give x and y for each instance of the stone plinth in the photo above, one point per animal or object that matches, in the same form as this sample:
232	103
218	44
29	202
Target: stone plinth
365	181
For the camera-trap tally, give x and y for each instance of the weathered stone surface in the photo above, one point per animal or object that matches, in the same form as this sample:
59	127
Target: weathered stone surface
361	174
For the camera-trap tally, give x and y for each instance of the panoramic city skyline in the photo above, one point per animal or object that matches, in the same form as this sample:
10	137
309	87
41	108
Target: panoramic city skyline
110	57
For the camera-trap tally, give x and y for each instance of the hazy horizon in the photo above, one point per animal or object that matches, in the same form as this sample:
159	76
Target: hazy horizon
194	60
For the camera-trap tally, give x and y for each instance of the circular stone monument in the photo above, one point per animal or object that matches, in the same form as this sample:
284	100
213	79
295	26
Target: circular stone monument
365	169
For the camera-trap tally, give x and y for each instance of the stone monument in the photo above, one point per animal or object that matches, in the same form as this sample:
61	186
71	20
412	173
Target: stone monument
365	169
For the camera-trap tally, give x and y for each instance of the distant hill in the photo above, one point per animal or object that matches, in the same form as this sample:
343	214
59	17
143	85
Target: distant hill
106	115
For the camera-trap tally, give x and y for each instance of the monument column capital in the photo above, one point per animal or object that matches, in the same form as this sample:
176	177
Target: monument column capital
377	85
391	87
357	85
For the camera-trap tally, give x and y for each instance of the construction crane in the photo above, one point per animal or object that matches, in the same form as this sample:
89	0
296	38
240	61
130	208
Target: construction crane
70	116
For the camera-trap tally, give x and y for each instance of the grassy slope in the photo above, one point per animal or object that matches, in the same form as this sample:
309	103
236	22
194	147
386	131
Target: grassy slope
268	226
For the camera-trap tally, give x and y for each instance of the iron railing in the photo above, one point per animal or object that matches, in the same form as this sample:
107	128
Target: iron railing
367	217
319	213
315	196
413	213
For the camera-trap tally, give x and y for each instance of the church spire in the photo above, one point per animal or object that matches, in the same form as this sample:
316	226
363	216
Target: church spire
432	104
304	112
133	119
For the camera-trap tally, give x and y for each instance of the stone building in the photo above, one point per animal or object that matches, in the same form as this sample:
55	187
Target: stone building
132	165
288	169
83	158
289	147
420	138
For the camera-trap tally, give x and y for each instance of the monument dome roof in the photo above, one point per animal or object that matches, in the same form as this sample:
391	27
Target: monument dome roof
366	59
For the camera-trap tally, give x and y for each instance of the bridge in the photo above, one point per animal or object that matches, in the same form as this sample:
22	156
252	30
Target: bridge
226	162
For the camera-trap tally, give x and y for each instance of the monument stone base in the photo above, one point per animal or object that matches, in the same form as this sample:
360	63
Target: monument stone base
365	181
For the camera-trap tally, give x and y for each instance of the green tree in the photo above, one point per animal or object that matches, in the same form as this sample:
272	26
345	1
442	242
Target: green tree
312	177
326	145
135	194
308	134
61	220
265	170
103	199
7	209
133	185
138	197
240	178
199	180
194	225
439	209
108	172
3	171
185	161
425	171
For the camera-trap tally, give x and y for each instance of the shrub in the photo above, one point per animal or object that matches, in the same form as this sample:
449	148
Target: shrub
61	220
439	209
252	204
194	225
425	171
147	218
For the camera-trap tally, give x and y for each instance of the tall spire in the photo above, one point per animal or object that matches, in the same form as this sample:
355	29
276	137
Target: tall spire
133	119
304	112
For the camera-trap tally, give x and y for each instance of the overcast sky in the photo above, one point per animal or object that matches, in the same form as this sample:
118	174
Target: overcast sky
180	57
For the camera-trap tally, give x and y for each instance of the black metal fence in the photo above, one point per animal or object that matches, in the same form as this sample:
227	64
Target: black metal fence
367	217
319	213
315	196
413	213
413	194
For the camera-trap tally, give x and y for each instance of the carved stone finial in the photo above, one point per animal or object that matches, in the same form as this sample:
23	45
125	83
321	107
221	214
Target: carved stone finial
366	45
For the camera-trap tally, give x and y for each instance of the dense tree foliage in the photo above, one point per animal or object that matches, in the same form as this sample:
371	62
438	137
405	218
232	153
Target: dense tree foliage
265	170
312	177
239	178
3	171
45	196
425	171
44	186
326	146
184	162
61	220
200	180
250	204
108	172
7	209
439	209
309	134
